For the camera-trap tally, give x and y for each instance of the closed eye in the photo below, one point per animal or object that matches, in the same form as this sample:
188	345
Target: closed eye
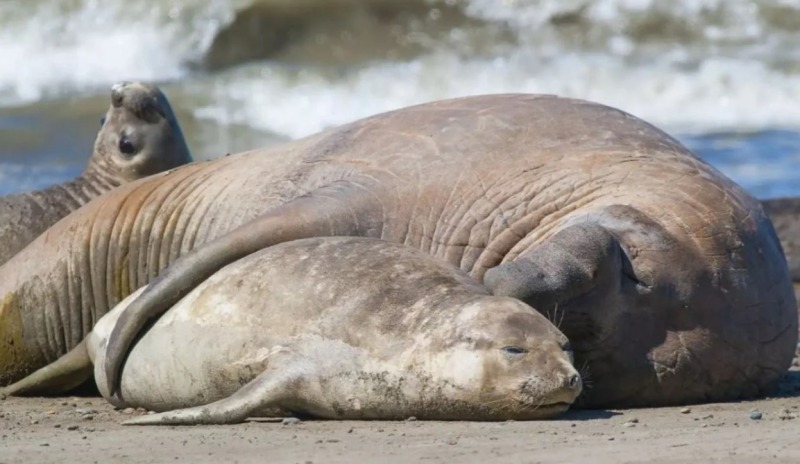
514	350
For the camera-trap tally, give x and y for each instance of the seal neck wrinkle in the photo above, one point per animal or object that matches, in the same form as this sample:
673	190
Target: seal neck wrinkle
95	180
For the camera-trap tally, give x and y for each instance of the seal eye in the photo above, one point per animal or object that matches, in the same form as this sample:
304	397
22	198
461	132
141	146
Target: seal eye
566	347
126	147
513	350
102	121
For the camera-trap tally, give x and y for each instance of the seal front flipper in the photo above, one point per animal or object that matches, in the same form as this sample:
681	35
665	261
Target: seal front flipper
571	263
66	373
342	208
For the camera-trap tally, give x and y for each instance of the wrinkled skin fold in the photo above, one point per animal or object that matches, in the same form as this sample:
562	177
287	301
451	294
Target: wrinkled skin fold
666	276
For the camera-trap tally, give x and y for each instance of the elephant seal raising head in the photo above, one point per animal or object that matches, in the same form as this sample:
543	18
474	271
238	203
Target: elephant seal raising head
139	136
342	328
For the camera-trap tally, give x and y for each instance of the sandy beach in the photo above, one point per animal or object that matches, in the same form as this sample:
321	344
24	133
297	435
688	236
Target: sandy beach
87	429
720	76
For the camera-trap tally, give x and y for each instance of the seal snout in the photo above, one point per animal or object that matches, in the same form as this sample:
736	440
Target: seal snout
572	381
562	389
118	93
143	100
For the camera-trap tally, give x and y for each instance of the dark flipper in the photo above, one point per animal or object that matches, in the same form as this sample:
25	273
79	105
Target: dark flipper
343	208
567	265
65	374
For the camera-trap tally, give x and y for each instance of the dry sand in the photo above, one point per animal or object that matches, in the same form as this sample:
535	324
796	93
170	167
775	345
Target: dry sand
86	429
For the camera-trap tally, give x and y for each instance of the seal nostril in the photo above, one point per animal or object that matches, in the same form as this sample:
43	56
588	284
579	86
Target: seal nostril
573	381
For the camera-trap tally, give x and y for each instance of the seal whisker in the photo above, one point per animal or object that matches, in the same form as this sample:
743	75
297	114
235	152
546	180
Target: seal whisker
586	375
561	319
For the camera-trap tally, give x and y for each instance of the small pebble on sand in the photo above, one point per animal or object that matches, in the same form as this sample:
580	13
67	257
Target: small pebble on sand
756	415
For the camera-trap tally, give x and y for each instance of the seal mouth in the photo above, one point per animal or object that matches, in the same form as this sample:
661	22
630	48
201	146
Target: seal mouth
556	405
539	407
559	405
546	411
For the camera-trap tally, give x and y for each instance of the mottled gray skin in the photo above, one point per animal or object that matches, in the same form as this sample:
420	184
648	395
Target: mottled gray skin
343	328
140	136
667	277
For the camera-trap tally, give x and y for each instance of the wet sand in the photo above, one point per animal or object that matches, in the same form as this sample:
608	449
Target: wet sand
84	429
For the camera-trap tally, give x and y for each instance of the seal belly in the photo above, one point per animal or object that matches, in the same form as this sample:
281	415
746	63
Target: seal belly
185	364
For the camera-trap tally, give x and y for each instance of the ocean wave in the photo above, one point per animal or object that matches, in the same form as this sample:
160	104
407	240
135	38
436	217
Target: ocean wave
293	67
53	47
717	95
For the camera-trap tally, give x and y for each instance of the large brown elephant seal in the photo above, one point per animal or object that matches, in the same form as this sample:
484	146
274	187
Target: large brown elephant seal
343	328
139	136
667	277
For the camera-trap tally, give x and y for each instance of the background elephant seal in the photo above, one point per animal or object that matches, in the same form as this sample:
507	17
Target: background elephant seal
785	216
667	277
139	136
343	328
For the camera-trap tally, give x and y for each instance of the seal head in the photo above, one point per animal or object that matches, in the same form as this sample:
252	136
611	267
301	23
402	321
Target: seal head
507	358
139	135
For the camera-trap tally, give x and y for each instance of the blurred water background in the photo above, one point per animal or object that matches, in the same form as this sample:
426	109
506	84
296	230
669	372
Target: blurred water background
721	75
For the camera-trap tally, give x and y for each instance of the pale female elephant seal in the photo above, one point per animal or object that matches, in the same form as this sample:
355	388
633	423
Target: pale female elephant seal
343	328
139	136
666	276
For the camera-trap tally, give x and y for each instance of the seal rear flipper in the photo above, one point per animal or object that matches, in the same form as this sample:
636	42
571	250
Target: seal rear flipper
66	373
266	391
342	208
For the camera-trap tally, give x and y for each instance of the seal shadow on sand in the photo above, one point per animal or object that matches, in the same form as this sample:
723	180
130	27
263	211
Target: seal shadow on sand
586	415
789	386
